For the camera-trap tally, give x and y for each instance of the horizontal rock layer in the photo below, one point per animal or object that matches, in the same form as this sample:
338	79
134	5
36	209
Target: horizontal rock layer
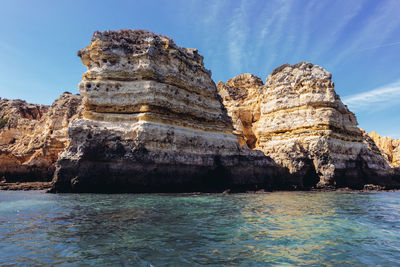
298	120
153	121
33	136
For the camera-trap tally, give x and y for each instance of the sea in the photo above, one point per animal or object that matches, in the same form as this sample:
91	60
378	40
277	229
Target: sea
271	229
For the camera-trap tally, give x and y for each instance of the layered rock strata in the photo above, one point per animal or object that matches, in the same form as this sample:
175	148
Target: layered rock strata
299	121
32	136
389	147
153	122
242	98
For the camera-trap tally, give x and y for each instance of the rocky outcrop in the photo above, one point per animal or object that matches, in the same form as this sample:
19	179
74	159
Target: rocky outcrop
32	136
300	122
153	121
388	147
242	99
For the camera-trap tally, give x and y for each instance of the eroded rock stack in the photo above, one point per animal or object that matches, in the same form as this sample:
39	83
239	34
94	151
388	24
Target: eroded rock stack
153	121
300	122
32	136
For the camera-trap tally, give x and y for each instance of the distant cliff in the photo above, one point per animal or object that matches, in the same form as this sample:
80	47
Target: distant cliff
32	136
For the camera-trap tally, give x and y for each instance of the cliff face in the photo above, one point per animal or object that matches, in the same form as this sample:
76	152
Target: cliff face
153	121
242	99
150	119
300	122
388	147
32	136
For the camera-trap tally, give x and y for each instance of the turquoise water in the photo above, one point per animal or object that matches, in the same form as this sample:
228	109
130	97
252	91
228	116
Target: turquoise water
280	228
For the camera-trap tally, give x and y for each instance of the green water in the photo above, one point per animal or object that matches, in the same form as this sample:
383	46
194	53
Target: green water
280	228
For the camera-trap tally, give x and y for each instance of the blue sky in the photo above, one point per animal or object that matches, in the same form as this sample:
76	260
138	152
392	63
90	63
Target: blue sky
358	41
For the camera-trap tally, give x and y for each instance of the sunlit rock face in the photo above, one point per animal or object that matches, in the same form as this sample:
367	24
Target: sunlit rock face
242	96
32	136
299	121
153	121
389	148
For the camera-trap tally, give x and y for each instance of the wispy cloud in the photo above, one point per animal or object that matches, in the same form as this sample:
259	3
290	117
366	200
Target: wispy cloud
380	46
378	27
349	11
312	7
213	9
238	32
272	33
376	99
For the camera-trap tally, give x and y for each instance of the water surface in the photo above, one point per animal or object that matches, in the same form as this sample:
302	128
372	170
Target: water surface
280	228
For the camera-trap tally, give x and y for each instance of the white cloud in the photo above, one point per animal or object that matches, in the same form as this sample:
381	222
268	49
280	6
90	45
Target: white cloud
377	28
380	46
379	98
238	33
306	27
349	11
272	32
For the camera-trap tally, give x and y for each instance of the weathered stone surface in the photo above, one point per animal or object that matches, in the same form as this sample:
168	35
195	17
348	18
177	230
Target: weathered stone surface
300	122
153	121
388	147
14	186
242	96
396	154
34	135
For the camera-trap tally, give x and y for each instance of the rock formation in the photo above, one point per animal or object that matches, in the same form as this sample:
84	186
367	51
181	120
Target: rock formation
298	120
153	121
32	136
242	98
388	147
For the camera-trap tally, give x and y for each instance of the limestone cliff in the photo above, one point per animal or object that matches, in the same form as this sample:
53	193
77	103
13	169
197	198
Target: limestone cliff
388	147
298	120
32	136
153	121
242	99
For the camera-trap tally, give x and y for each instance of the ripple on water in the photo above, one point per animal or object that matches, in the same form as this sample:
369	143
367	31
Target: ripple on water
302	228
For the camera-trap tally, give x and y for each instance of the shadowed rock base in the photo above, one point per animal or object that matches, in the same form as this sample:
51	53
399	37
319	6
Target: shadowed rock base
149	177
100	159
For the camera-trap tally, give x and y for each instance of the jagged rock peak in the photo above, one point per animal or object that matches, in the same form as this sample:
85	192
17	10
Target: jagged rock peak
245	79
240	87
302	70
131	43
